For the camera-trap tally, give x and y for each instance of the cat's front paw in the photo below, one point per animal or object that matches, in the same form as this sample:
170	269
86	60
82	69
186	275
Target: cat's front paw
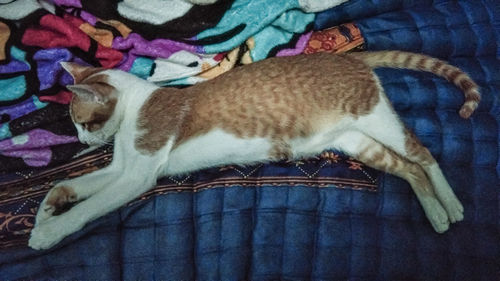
44	237
59	199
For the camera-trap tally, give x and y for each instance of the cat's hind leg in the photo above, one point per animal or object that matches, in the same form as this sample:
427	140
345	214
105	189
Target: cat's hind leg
378	156
418	153
384	126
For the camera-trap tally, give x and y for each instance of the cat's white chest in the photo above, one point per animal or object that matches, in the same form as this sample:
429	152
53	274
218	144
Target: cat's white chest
216	148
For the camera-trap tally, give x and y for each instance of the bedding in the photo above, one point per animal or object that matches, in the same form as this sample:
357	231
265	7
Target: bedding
324	218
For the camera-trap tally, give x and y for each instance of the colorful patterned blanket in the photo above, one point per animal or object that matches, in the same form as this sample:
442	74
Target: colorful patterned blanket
35	130
326	218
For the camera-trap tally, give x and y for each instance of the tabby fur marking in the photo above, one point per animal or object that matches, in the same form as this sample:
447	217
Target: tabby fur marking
287	107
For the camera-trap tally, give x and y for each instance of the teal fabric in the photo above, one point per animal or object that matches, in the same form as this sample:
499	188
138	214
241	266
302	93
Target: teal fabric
253	16
279	32
142	67
18	54
5	131
12	88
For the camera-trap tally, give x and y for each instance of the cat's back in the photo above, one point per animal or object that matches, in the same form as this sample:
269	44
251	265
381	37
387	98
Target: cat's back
265	98
294	74
301	82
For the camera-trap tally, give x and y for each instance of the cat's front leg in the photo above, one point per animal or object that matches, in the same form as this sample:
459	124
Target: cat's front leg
59	199
55	229
137	177
66	193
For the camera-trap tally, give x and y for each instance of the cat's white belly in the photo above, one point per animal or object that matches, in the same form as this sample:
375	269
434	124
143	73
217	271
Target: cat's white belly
216	148
303	147
312	145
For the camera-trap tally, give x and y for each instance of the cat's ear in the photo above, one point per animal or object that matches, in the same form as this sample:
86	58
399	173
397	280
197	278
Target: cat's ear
88	93
79	72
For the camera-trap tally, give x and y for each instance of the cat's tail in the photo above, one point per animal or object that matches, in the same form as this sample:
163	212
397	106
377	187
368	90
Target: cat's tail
399	59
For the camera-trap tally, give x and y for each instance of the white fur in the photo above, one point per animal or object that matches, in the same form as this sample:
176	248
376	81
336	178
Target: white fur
132	172
216	148
445	193
391	133
303	147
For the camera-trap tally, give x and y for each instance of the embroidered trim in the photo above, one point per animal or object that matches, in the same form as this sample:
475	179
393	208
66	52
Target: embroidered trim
339	39
20	197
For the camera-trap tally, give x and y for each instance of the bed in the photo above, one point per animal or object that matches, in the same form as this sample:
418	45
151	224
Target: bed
325	218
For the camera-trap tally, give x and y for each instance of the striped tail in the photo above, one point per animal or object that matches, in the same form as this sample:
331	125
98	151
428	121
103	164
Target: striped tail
398	59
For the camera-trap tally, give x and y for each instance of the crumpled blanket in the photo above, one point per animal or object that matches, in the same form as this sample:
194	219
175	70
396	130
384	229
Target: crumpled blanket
172	42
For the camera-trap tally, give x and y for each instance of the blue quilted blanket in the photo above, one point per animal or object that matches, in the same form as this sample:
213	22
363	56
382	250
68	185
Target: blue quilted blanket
306	221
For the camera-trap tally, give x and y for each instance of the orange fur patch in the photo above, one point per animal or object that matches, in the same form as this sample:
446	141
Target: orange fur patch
93	115
278	98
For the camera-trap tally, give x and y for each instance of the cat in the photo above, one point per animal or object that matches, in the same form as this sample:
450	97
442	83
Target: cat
278	108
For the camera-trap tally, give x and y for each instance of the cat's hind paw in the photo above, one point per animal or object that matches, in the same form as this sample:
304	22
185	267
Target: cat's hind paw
436	215
454	209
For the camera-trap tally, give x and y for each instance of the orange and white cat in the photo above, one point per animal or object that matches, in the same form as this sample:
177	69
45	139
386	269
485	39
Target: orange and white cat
279	108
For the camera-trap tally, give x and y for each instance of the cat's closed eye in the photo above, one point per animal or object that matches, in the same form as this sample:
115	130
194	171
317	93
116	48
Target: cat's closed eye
85	125
91	126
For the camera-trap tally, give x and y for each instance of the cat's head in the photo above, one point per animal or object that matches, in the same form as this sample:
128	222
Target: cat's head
94	103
